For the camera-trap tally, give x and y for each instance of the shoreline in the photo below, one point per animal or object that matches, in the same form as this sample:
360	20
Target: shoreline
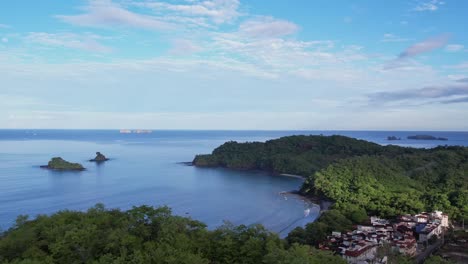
292	176
322	202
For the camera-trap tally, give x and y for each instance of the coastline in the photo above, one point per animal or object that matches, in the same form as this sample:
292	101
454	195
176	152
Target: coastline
322	202
292	175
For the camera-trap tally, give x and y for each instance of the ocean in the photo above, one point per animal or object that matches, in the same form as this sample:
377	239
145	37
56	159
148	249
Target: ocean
147	169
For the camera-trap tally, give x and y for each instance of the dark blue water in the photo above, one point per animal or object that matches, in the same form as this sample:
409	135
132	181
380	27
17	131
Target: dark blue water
144	170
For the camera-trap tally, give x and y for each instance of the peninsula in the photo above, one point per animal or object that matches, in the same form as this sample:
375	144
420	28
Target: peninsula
58	163
361	178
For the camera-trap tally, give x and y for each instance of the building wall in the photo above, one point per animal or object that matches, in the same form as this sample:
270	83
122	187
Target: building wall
368	254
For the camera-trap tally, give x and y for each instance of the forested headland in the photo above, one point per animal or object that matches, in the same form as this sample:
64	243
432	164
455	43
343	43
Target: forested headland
361	177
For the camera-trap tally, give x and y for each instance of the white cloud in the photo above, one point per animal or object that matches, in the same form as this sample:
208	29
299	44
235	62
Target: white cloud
232	85
407	64
423	118
455	77
463	66
258	65
159	120
429	5
275	54
217	11
105	13
262	46
338	74
271	53
267	27
86	42
4	40
17	101
448	93
387	37
427	45
454	48
184	47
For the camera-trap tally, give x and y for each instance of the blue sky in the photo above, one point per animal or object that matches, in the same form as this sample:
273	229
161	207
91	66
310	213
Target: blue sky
233	64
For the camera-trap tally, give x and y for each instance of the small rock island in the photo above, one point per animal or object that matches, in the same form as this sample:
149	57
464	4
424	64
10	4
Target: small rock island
99	158
393	138
58	163
426	137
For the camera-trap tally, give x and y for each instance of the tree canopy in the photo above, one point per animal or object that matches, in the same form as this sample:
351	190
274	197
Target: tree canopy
145	235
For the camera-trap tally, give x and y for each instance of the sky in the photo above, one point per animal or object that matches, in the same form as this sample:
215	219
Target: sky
234	64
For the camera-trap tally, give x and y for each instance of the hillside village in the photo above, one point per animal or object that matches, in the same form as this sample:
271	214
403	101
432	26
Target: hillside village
408	235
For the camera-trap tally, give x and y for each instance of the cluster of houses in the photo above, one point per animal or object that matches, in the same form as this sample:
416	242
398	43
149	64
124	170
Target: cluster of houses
402	235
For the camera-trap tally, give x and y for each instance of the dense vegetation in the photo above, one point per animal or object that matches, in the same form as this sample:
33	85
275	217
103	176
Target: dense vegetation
426	137
360	176
301	155
145	235
58	163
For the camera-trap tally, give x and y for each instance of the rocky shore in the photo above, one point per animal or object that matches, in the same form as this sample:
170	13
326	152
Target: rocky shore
99	158
324	203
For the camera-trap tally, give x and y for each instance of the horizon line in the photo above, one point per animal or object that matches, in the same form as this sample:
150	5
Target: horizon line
267	130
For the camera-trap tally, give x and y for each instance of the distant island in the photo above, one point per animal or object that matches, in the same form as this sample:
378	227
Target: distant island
99	158
393	138
58	163
426	137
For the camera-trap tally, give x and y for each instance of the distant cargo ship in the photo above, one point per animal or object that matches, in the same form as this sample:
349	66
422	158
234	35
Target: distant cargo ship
125	131
137	131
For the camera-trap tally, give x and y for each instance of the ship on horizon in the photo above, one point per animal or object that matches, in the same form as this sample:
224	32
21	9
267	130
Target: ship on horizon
135	131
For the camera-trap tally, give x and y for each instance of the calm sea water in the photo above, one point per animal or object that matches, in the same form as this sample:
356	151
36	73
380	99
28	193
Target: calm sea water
145	169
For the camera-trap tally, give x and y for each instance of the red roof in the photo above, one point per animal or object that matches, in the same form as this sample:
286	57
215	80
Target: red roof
356	253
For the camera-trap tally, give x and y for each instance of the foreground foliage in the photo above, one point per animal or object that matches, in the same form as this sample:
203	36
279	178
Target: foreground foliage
145	235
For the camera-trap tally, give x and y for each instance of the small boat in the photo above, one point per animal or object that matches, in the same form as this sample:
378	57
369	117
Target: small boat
306	212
